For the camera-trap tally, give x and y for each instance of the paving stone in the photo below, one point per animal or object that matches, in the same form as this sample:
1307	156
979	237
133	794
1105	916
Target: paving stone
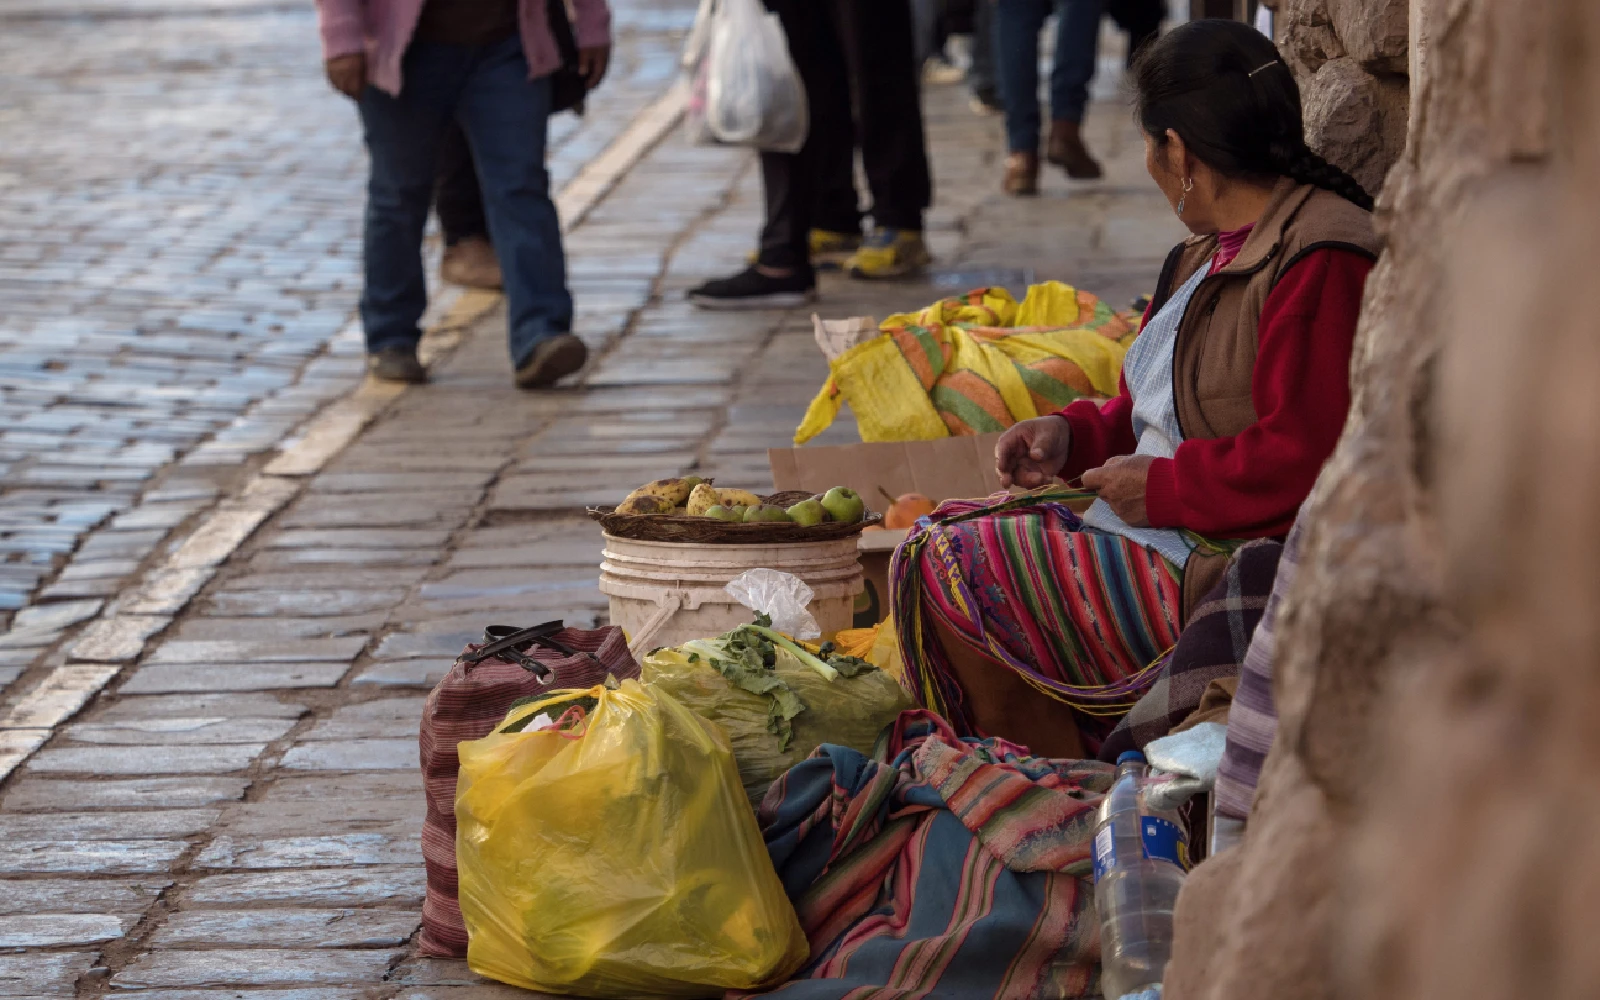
42	793
203	759
58	695
253	967
258	629
167	678
180	731
401	483
292	558
274	818
385	786
43	974
104	857
283	928
254	652
337	601
372	886
305	852
79	895
325	578
55	930
385	718
424	645
402	674
428	539
119	639
160	824
482	990
312	993
354	755
200	706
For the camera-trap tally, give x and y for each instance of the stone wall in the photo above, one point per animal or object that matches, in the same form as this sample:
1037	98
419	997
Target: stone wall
1352	61
1425	823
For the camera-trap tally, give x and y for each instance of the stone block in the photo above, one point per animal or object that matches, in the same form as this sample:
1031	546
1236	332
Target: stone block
370	886
341	850
79	895
284	928
43	974
1375	33
199	706
62	930
385	718
354	755
101	857
254	967
158	824
169	678
119	760
180	731
251	652
137	793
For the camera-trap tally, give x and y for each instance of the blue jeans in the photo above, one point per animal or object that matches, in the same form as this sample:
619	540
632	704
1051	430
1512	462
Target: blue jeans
1016	26
504	114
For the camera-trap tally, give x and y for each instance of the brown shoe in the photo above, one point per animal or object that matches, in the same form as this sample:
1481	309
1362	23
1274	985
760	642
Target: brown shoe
471	263
1022	175
1067	151
554	358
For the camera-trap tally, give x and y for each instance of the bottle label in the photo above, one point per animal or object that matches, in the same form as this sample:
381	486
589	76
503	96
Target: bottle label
1163	840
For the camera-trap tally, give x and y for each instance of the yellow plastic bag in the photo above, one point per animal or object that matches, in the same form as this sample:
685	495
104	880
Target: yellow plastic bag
616	856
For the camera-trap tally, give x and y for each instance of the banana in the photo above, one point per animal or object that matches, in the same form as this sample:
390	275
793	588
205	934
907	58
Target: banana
673	491
645	505
701	499
744	498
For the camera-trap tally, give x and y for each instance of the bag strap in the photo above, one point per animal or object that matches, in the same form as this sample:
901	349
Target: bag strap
508	643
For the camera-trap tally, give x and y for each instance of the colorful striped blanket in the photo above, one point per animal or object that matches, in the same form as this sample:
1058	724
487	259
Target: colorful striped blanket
958	869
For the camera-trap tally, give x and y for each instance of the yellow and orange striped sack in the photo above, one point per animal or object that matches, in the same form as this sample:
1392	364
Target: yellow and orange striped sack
976	364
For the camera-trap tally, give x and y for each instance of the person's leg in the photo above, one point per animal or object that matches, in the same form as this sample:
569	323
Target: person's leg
836	206
1077	47
402	136
790	179
456	197
879	60
1017	24
505	116
980	75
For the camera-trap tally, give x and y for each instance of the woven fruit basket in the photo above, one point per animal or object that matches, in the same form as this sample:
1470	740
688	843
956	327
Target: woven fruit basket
709	530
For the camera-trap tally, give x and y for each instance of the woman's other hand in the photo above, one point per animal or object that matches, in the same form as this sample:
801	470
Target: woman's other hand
348	74
593	63
1120	483
1030	453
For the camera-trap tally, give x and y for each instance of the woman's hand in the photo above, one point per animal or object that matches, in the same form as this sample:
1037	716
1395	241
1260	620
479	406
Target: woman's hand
1120	483
1030	453
593	63
348	74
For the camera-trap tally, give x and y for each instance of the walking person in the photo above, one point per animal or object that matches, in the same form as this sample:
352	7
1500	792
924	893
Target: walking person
469	258
1017	24
875	99
414	67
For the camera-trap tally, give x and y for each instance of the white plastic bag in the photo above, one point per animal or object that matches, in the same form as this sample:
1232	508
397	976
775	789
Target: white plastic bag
753	96
781	596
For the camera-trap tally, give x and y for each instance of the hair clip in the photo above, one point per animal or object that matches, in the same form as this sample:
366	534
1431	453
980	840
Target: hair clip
1263	66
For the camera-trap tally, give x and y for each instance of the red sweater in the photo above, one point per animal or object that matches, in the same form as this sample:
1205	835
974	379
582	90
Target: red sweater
1250	485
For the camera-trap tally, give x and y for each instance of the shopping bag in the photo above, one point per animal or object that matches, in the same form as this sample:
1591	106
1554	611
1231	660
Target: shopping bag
472	699
606	850
753	92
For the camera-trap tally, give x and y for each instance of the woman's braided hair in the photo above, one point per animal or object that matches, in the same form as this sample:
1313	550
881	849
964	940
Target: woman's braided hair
1223	87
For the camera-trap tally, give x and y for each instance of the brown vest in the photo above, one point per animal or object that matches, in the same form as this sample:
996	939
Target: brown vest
1214	357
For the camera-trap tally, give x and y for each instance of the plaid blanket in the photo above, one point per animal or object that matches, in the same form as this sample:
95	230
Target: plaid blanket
1253	722
1211	648
960	868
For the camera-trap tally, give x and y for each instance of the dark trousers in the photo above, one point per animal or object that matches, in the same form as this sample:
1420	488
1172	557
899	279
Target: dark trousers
456	196
859	68
1141	19
486	91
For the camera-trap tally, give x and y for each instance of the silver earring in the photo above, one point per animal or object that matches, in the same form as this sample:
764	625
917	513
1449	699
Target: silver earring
1188	185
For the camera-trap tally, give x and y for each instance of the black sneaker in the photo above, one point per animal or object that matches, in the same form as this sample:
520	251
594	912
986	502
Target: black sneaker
751	289
397	364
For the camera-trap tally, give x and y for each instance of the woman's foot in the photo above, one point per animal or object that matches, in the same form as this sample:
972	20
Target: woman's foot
471	263
1067	151
1022	175
757	287
889	255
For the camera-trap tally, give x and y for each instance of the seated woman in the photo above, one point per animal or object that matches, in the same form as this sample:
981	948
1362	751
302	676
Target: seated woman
1021	619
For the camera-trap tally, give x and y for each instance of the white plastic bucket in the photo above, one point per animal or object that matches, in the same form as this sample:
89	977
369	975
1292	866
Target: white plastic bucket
666	593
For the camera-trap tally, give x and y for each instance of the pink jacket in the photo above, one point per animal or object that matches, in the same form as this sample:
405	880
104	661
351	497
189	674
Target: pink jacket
382	29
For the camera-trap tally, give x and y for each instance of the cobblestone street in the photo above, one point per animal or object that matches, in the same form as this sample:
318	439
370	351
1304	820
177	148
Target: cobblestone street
234	570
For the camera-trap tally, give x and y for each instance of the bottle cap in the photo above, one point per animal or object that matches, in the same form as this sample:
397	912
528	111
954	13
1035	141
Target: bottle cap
1128	755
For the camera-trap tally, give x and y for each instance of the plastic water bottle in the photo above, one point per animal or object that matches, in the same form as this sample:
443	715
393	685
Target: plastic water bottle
1140	857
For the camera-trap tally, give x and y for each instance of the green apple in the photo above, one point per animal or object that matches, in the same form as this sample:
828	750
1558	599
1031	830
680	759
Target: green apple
765	512
808	513
844	505
721	513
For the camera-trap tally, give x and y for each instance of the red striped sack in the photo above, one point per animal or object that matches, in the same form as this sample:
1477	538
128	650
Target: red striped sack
468	703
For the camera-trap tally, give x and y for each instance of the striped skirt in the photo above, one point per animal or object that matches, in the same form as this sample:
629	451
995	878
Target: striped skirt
1082	616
